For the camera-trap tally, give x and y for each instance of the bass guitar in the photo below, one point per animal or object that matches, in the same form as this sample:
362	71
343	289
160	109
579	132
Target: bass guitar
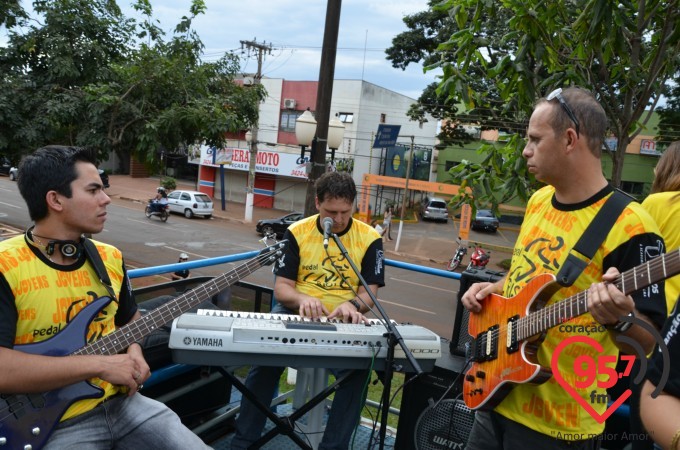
508	331
27	420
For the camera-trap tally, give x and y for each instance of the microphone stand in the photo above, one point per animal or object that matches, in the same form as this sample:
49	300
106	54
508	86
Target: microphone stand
393	338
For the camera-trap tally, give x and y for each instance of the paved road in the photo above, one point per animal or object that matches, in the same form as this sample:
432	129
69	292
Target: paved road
408	296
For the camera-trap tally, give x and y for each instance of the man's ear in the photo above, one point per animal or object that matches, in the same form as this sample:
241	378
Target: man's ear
316	202
572	139
53	200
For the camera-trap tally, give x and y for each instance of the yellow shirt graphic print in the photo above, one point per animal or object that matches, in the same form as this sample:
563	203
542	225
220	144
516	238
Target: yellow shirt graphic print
330	277
47	301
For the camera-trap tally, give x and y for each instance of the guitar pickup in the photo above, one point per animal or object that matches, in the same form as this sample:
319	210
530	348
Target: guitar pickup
485	345
512	343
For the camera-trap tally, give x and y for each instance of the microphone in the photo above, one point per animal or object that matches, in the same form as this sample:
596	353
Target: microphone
327	225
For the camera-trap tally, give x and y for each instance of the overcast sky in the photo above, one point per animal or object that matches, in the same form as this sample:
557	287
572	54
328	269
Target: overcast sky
295	30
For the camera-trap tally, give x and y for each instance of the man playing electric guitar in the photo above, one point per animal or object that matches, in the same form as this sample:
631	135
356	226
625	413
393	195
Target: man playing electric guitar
46	280
564	142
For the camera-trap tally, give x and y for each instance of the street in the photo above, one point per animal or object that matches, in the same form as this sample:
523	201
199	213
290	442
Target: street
408	296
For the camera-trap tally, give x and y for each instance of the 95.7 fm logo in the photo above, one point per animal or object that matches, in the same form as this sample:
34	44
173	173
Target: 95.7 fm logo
600	371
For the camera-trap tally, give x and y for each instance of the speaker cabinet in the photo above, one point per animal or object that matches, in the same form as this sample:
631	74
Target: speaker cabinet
430	416
460	324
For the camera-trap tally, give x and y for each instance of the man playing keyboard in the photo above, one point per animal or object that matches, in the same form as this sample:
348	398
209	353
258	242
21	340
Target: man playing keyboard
314	281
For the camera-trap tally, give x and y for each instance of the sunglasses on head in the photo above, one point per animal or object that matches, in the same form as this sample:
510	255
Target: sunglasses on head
557	94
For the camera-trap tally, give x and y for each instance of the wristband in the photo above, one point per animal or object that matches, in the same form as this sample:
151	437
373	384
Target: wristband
621	326
356	304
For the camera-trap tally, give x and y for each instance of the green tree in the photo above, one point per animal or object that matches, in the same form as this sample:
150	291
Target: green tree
427	30
625	53
11	13
78	80
165	97
45	67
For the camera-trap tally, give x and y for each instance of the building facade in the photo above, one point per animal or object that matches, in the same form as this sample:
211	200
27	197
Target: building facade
281	173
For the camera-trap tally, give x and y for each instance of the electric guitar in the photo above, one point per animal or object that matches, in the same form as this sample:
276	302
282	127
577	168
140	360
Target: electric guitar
507	332
27	420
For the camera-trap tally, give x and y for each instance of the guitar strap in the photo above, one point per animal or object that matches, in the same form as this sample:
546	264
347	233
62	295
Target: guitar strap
96	260
592	238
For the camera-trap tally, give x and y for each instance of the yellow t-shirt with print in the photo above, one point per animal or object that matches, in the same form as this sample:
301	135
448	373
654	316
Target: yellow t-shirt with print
664	207
47	300
329	276
547	234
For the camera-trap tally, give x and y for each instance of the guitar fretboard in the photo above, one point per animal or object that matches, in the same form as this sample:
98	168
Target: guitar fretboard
653	271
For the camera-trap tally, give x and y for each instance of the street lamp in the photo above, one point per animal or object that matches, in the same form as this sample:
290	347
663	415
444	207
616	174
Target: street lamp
336	131
305	130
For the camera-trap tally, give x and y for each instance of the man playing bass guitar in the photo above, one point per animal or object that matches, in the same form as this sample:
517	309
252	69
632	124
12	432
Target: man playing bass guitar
47	282
565	138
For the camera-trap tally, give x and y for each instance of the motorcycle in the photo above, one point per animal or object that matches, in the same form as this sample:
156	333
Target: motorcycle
461	251
157	210
479	258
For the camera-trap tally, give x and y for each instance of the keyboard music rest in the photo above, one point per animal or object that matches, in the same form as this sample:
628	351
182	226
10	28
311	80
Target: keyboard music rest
229	340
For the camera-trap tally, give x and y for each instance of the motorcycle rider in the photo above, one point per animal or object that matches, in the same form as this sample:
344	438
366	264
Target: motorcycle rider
160	200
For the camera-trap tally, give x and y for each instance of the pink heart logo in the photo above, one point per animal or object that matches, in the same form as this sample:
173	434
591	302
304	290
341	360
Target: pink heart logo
600	418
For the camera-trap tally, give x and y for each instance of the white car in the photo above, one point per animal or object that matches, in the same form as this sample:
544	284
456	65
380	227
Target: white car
190	203
13	173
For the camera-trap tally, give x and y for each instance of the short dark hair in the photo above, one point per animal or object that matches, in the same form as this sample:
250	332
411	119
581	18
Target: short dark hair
336	185
590	114
50	168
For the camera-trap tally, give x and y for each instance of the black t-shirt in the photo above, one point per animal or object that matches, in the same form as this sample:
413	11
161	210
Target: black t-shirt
656	363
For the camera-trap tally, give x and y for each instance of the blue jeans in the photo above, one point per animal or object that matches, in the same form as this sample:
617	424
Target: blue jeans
343	418
123	422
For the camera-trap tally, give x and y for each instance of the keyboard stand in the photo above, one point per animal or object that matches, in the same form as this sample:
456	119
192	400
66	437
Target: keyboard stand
283	425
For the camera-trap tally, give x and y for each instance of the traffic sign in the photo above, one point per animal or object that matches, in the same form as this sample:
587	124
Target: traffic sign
387	136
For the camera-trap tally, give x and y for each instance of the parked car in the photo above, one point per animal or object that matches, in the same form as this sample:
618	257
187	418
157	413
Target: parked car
278	226
104	177
434	208
485	220
13	173
190	203
5	165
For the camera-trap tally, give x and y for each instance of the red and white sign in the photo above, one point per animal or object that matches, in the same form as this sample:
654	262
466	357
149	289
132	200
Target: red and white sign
648	147
268	161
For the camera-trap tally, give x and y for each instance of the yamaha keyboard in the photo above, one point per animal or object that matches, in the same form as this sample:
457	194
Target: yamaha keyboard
231	338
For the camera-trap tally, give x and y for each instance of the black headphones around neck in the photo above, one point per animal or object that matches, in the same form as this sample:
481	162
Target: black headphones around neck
67	248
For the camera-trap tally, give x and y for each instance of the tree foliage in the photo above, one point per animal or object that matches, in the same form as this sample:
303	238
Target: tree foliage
11	13
624	52
499	57
89	76
429	30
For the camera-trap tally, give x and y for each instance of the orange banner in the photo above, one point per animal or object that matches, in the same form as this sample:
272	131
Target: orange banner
416	185
465	218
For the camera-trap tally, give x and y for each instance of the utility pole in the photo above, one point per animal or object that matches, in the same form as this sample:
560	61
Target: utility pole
250	190
324	94
403	200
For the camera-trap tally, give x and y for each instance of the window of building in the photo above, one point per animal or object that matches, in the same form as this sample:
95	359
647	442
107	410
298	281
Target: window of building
383	118
288	119
346	117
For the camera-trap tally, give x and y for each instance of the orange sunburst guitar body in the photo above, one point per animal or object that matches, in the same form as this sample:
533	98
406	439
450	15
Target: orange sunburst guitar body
507	332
